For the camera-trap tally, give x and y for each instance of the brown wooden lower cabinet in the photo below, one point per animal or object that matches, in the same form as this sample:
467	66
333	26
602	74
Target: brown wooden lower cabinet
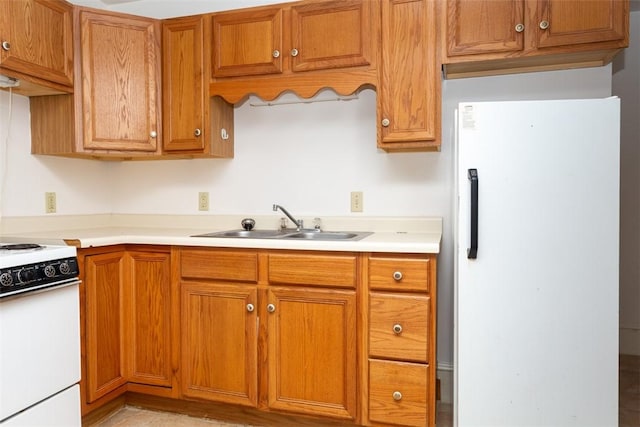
276	334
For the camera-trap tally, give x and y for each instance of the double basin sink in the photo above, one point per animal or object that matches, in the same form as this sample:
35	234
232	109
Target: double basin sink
289	234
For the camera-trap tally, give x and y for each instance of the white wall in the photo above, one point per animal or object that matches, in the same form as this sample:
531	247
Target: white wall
626	84
307	157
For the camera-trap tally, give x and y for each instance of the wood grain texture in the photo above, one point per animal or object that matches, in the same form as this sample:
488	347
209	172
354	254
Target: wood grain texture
409	80
414	273
580	34
219	343
148	316
312	352
53	128
105	347
183	84
219	264
412	314
120	82
484	26
41	38
411	380
327	270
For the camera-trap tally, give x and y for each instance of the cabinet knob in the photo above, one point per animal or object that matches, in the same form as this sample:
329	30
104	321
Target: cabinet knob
153	134
294	52
6	45
271	308
197	132
397	396
519	28
397	276
386	122
544	25
397	329
250	308
275	53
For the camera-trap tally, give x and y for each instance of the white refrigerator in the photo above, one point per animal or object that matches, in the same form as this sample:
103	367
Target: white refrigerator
536	263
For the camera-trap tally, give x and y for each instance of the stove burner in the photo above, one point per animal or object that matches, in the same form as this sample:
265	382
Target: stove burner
20	246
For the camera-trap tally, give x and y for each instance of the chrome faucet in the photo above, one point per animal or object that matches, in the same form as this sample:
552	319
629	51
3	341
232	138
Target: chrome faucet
298	222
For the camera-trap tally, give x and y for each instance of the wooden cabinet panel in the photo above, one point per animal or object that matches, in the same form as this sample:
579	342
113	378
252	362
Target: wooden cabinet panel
148	313
409	86
578	21
314	270
37	39
183	84
120	82
399	326
247	42
219	342
312	351
330	35
399	273
105	322
488	37
219	264
399	393
482	26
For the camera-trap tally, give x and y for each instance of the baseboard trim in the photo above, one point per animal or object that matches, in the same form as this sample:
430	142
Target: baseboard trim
444	374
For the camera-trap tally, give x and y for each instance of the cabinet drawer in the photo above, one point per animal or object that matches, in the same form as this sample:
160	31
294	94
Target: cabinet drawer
219	265
314	270
399	326
398	393
399	274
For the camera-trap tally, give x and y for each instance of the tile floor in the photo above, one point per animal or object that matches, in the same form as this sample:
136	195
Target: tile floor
135	417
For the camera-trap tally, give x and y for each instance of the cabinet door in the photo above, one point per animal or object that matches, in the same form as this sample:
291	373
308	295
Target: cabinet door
312	351
120	92
219	342
409	87
148	314
330	35
183	84
105	357
37	39
570	22
484	26
247	42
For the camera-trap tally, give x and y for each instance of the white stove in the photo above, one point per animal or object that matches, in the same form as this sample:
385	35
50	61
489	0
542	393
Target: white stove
26	267
39	336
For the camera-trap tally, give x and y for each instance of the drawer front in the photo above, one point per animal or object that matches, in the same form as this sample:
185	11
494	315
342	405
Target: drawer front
398	393
399	326
399	274
214	264
313	270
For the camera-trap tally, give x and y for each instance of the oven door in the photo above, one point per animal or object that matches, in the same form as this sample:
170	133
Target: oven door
40	342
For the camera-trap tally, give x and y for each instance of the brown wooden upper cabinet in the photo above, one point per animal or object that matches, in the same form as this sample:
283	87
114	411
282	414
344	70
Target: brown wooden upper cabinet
487	36
193	123
37	41
313	36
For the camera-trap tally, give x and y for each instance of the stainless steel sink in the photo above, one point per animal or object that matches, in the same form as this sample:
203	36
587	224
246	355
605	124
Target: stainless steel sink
246	234
288	234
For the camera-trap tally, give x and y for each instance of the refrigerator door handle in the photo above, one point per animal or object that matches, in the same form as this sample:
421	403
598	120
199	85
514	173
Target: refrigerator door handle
472	251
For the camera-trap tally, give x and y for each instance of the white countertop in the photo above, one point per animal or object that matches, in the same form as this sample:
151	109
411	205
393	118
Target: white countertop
402	235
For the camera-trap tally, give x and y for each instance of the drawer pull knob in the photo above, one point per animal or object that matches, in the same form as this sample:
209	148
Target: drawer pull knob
6	45
250	308
397	329
397	396
271	308
397	276
544	25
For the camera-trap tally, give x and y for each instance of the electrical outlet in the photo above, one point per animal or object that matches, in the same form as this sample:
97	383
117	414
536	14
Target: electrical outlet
356	201
203	201
50	202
